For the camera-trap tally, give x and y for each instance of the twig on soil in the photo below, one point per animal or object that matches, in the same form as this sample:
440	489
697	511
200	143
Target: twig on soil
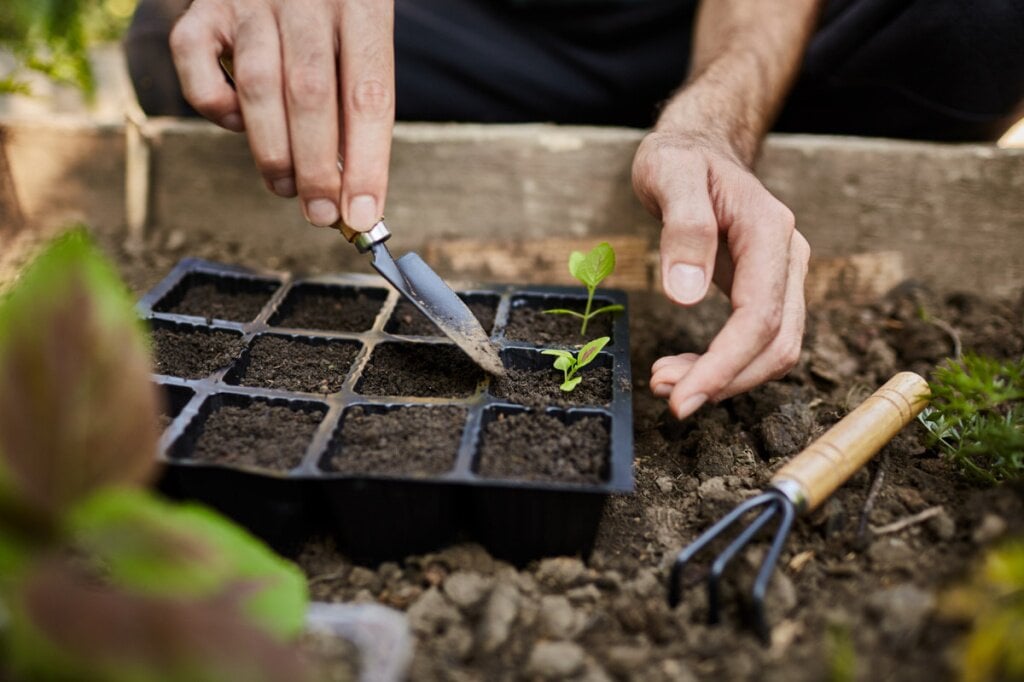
953	334
869	502
909	521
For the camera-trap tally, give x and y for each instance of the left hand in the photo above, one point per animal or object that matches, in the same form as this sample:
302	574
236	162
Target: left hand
720	224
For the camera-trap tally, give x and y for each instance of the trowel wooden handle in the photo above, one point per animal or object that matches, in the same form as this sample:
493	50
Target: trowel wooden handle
810	477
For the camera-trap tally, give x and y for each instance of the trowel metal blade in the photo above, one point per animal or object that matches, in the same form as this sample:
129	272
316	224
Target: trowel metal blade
420	285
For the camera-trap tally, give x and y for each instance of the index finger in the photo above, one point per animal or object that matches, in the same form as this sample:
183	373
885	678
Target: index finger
759	244
368	109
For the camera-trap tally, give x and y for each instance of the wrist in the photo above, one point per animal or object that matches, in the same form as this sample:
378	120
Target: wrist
709	114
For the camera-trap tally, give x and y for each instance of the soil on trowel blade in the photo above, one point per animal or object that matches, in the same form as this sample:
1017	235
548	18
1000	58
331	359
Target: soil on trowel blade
259	434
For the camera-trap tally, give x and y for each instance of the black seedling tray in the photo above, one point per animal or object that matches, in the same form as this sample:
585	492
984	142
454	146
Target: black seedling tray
375	516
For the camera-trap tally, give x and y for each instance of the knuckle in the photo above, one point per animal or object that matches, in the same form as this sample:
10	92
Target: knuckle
318	180
371	98
273	164
310	87
801	248
767	325
788	358
255	78
185	35
696	227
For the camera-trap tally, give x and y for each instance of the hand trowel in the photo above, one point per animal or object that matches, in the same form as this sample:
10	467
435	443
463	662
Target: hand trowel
422	287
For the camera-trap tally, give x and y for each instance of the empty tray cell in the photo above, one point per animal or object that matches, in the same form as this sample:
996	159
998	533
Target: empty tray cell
173	400
295	363
237	299
532	380
192	352
527	320
556	447
409	321
424	370
409	441
242	431
329	308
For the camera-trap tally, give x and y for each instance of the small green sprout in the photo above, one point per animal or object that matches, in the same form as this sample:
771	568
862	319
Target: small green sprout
590	269
569	364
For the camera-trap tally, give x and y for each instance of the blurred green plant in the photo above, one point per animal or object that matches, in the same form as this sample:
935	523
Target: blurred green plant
993	603
841	655
976	416
99	578
52	37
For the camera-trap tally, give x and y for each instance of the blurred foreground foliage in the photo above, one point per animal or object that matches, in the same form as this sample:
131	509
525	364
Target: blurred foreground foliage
52	37
992	602
976	417
100	579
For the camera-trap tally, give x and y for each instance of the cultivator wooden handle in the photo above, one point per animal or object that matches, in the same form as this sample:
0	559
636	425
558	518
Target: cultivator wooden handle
810	477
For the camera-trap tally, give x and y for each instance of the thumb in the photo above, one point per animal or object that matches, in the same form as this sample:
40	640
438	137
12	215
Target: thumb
689	242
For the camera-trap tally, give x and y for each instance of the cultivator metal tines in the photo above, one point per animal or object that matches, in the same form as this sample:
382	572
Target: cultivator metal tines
802	485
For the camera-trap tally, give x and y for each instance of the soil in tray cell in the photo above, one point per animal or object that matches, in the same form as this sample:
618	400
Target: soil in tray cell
424	370
527	321
540	447
532	380
225	298
172	401
329	308
408	441
409	321
193	352
257	433
296	364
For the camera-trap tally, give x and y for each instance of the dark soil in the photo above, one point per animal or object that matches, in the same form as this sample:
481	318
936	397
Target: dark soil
408	321
329	308
529	322
260	434
477	618
224	298
193	353
407	441
422	370
538	447
540	387
298	364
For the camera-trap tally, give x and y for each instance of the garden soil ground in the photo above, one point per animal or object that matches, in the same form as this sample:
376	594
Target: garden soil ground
838	587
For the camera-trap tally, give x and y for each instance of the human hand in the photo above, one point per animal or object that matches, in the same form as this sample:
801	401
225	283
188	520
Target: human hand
721	224
290	59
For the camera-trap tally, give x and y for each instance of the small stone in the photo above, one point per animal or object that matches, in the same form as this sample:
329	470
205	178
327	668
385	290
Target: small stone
176	240
431	614
593	672
645	584
942	526
389	572
991	528
467	557
891	554
364	597
499	614
456	643
466	589
626	660
558	619
362	578
555	660
610	580
560	573
677	671
630	613
911	498
901	611
435	573
664	484
588	594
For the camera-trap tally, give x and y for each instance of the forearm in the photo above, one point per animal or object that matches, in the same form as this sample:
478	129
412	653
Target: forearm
745	57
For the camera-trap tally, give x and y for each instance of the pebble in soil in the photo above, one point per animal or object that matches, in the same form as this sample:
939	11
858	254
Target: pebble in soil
329	308
223	298
420	370
528	322
258	434
406	441
409	321
539	447
193	353
305	365
541	387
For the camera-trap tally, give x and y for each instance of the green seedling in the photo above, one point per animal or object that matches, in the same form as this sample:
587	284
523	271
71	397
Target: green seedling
976	417
570	364
590	269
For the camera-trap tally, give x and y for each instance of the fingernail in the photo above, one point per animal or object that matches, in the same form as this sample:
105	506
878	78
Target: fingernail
662	390
686	282
284	187
691	405
233	122
362	212
322	212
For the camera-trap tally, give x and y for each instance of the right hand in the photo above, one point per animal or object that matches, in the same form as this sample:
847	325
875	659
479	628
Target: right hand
293	63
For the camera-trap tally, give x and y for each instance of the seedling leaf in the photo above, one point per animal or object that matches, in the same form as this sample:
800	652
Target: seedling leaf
563	363
564	311
576	264
614	308
571	384
590	351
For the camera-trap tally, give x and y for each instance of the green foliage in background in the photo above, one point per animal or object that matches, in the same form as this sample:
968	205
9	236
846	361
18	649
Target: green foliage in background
52	37
100	579
993	603
976	417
